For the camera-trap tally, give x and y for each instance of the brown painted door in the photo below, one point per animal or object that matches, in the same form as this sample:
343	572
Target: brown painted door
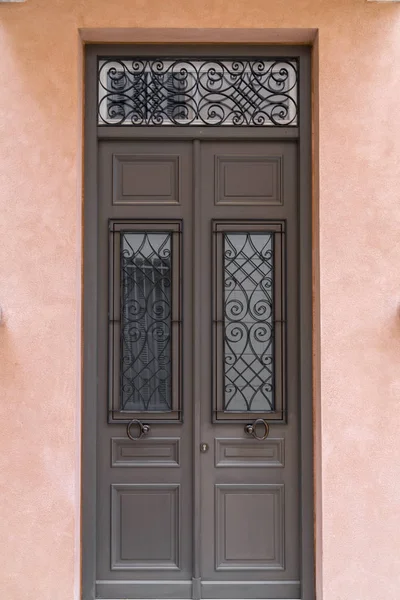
198	305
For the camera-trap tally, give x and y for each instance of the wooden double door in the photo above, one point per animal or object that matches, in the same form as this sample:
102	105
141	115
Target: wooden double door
198	440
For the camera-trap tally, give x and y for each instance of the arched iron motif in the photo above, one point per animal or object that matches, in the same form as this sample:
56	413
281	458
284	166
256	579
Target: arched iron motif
212	92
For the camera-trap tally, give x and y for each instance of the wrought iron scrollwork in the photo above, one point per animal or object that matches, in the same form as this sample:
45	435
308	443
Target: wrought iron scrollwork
146	321
248	322
236	92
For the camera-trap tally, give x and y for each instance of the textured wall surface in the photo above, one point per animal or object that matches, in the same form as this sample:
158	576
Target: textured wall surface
40	258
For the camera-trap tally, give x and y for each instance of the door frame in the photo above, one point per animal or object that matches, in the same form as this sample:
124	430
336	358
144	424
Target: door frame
92	134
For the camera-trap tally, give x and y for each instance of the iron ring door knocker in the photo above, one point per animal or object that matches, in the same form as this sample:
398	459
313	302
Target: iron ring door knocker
251	428
144	429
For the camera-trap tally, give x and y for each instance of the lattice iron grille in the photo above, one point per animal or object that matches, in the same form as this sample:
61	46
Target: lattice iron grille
236	92
248	322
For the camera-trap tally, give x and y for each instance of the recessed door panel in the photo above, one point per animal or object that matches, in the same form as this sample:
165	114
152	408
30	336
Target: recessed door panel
248	180
145	526
249	533
154	452
146	179
239	452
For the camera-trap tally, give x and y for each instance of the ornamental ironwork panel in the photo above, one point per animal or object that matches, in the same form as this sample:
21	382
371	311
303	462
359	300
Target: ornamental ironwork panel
145	320
249	319
214	92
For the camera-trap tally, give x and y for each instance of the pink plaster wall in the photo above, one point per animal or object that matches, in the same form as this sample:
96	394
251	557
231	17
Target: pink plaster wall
358	464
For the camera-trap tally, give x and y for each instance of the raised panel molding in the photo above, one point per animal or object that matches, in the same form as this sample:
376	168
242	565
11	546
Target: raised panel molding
144	590
238	452
248	180
153	452
145	528
145	179
249	533
257	590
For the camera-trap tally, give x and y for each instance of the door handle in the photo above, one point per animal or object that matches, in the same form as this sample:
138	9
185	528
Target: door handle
144	429
251	429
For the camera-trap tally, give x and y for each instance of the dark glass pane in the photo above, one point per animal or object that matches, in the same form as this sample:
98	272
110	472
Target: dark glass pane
146	321
248	322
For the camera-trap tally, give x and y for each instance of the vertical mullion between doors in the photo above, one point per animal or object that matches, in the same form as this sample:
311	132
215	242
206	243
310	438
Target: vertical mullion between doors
197	342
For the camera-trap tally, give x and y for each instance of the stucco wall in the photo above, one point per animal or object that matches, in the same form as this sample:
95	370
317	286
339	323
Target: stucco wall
40	257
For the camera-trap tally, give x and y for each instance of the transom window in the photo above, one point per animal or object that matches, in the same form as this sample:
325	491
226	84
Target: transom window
236	92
